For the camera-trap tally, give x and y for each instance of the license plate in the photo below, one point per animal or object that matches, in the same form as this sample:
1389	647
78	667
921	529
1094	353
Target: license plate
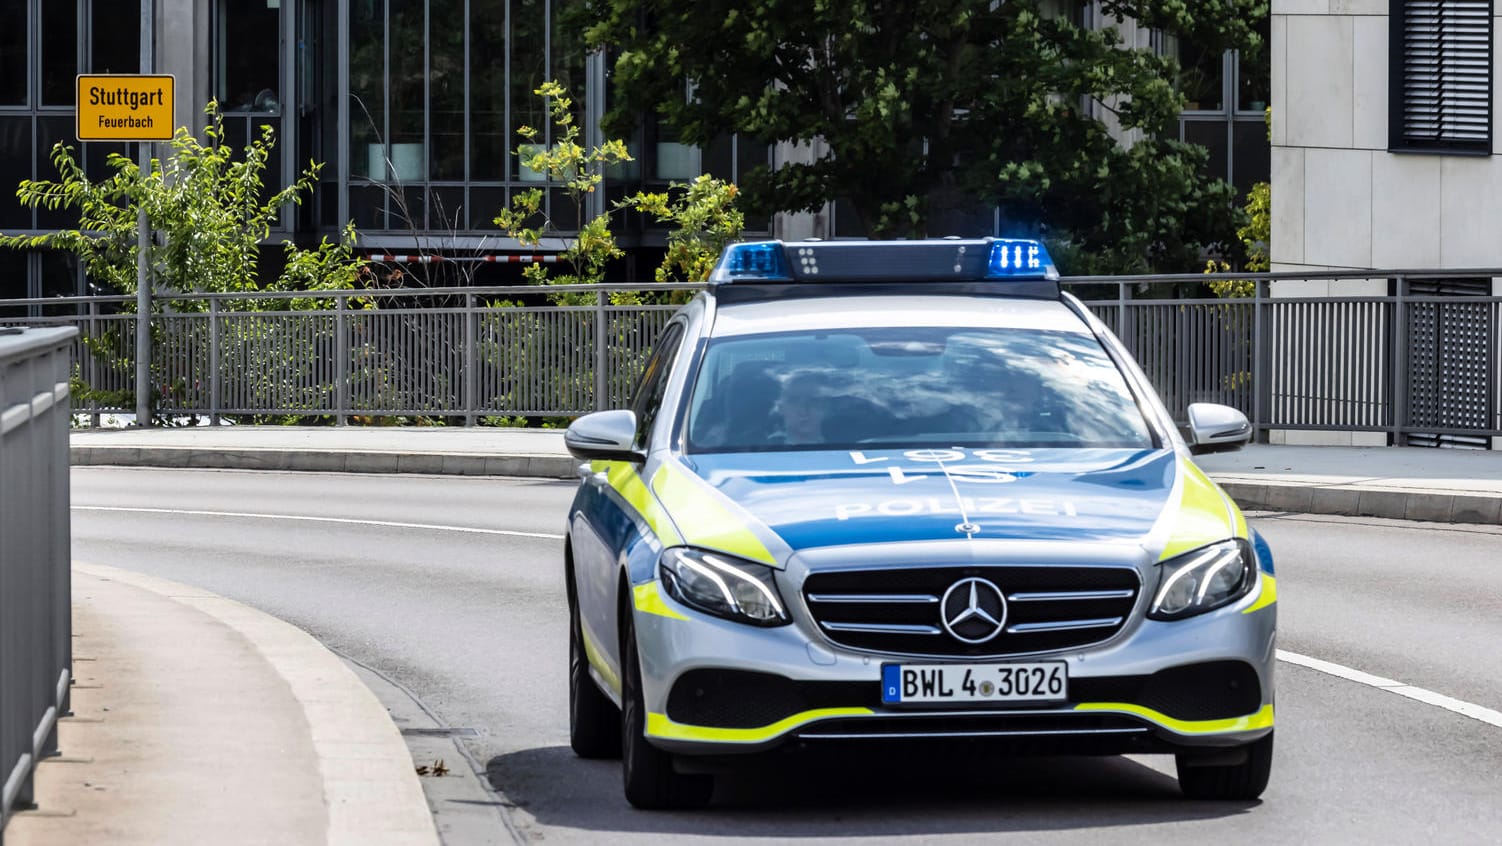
1044	681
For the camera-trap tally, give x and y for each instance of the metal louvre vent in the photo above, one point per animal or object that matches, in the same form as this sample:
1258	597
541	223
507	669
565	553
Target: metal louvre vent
1441	75
899	611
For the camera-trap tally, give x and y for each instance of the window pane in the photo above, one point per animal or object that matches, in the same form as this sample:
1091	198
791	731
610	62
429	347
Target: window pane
249	35
529	66
15	165
1252	156
446	89
407	97
116	37
13	53
1210	134
60	279
59	53
1201	73
12	279
487	91
749	154
367	88
1254	76
50	130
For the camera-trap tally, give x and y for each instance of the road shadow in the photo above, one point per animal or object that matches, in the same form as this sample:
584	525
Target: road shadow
849	794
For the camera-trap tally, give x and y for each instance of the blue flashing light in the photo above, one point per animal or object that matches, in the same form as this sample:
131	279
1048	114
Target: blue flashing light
758	260
1018	258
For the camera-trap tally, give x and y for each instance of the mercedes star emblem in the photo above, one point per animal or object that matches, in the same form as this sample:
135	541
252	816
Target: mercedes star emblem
974	610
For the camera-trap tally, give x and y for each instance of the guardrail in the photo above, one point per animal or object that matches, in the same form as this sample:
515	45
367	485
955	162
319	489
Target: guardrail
1417	363
36	650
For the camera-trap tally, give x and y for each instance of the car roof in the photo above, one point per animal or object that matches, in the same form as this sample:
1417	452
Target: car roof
860	312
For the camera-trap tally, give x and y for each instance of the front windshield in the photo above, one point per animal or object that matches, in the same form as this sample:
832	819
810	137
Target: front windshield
914	386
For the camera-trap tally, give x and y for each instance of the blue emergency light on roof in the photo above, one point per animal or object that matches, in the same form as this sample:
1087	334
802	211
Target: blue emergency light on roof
763	261
1017	258
980	261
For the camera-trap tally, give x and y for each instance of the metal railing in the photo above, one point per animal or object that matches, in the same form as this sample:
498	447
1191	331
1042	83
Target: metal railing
1406	364
35	583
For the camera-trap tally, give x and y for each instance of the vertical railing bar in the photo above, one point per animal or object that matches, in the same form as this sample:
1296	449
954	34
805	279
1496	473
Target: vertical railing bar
1399	338
343	367
214	376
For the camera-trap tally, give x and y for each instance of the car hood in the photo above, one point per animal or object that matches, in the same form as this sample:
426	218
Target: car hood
815	499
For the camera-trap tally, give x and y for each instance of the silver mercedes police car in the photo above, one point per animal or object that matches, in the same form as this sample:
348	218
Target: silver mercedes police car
898	492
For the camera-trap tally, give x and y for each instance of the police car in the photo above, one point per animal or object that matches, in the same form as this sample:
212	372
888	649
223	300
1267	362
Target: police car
898	492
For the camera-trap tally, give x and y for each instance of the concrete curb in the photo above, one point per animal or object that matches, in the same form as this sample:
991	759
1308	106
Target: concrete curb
371	790
1346	500
324	461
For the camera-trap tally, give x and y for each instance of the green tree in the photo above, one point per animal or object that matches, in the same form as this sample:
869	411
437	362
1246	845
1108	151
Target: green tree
205	205
931	109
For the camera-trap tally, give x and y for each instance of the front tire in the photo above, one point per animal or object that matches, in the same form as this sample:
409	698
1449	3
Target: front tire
1243	781
648	775
594	723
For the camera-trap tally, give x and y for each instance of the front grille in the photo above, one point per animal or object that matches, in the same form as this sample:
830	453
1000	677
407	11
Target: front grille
745	699
898	610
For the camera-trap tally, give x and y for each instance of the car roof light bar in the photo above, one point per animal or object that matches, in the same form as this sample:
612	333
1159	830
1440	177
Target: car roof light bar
988	260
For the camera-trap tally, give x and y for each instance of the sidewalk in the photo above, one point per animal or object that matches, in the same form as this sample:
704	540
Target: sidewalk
1396	482
196	719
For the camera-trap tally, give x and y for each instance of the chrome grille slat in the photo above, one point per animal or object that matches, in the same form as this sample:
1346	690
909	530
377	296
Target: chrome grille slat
895	598
1064	595
1064	625
898	610
881	628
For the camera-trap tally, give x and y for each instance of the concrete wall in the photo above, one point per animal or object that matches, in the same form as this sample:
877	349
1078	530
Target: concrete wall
1340	200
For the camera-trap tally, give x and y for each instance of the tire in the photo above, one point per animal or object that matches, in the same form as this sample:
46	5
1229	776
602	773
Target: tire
647	772
1244	781
594	723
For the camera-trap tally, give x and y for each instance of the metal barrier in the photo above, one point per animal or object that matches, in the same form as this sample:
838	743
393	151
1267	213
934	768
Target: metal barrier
35	582
1419	362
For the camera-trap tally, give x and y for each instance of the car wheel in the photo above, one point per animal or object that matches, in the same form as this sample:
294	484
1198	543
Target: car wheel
1245	780
650	780
594	723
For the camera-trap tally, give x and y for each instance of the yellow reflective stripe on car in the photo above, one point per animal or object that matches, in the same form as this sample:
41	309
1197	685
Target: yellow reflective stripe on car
705	519
597	661
648	600
1267	597
659	725
628	483
1203	515
1259	720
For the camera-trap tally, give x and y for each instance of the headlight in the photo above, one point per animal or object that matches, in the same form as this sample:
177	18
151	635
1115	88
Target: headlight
1204	579
723	586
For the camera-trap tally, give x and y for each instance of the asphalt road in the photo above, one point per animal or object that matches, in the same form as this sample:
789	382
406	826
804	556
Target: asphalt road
473	622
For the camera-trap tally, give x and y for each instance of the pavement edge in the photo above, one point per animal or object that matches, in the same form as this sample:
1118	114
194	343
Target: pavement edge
371	790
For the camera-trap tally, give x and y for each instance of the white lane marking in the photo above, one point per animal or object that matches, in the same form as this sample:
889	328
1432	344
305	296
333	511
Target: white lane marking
1418	694
307	519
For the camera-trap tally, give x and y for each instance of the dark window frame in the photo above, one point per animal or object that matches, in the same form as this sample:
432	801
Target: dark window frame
1399	139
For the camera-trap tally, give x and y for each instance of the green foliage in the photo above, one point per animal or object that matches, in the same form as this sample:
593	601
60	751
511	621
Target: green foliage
932	109
704	220
579	172
1257	232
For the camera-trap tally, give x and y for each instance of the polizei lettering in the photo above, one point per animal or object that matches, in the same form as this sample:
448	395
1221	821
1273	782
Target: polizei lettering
123	96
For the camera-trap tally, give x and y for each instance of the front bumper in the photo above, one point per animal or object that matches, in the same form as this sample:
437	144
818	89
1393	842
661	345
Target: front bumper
714	687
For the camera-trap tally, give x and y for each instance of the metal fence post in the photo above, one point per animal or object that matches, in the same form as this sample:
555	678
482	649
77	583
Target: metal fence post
214	386
602	382
342	364
1261	362
471	362
1400	340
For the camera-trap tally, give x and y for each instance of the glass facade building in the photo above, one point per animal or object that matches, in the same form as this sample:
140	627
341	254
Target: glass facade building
413	107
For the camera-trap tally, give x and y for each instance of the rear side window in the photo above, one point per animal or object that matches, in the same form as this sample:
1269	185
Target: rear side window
654	382
918	386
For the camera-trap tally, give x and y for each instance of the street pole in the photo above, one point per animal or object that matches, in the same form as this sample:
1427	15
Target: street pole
143	240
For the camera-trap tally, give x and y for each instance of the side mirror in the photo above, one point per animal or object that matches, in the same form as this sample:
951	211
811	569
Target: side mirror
1217	428
603	435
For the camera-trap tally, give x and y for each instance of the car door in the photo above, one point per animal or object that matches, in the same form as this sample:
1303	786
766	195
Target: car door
605	525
